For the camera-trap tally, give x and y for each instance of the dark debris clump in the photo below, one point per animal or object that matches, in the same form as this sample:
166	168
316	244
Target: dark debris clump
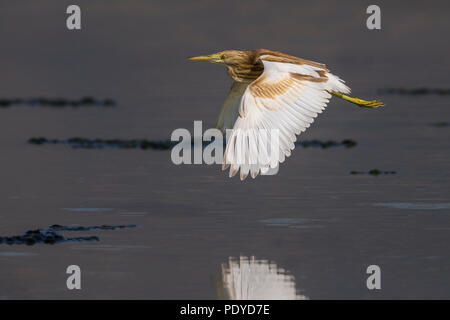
51	235
374	172
415	91
85	143
348	143
32	237
57	102
57	227
440	124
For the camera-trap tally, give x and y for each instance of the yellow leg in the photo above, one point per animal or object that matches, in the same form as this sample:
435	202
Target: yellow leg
358	102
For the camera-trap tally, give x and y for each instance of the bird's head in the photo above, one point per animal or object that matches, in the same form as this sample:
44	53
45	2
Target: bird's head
242	66
228	58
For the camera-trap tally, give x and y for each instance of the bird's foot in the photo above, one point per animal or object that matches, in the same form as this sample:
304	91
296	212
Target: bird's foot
366	104
359	102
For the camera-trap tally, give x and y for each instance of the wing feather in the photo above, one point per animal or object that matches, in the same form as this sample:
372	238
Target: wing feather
281	103
229	111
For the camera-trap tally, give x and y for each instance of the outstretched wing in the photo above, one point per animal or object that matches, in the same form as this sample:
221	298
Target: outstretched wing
230	107
279	105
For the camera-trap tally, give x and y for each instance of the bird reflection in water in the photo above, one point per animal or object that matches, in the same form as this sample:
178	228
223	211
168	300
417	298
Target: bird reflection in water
252	279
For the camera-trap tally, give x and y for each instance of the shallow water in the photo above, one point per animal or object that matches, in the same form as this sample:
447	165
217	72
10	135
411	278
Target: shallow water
416	206
314	219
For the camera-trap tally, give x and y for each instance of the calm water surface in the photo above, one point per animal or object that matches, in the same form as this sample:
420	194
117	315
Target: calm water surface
318	223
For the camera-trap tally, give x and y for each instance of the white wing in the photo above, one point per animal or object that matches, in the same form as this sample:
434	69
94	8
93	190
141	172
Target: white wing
230	107
283	101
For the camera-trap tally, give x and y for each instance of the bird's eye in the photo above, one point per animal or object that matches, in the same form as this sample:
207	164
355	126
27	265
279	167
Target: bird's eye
222	56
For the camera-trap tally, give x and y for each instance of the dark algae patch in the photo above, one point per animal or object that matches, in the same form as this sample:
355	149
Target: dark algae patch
84	143
348	143
373	172
32	237
415	91
442	124
57	227
57	102
52	235
144	144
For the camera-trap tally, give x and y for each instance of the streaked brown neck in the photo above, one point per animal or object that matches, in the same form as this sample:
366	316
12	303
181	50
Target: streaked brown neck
247	67
245	73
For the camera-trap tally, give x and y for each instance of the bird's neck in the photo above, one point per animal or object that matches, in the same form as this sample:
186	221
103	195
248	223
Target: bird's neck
245	72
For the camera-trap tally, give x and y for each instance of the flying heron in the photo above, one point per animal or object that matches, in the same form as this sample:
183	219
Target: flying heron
271	91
